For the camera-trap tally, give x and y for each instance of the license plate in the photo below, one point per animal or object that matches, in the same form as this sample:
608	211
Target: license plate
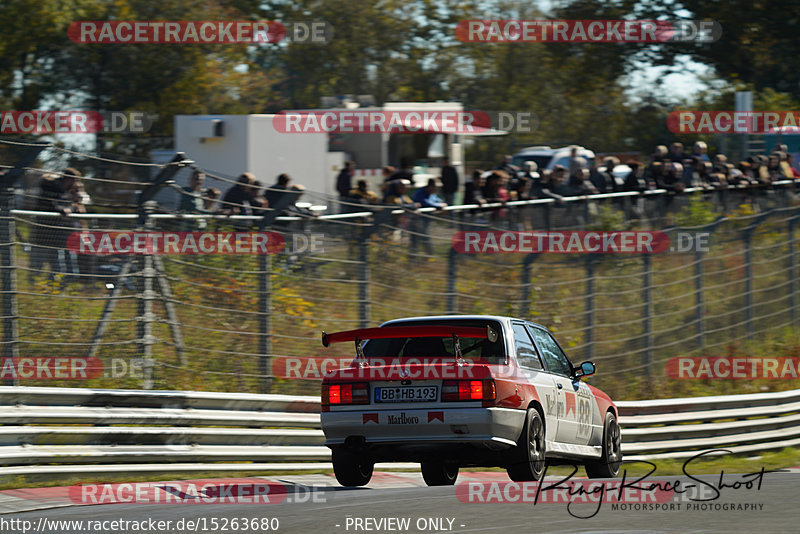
407	394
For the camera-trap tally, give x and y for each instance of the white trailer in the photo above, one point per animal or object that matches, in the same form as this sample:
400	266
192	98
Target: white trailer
228	145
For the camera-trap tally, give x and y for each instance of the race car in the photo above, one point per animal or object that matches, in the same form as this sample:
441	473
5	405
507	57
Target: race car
464	391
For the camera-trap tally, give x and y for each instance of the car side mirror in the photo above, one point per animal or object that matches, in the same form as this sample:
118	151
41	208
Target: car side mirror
585	369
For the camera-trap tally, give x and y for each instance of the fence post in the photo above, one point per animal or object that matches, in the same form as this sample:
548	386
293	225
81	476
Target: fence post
146	295
589	303
363	279
647	314
264	320
8	234
9	277
792	269
525	309
452	274
698	297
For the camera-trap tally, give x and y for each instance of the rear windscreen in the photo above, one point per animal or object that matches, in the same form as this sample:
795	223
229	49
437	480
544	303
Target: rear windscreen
440	347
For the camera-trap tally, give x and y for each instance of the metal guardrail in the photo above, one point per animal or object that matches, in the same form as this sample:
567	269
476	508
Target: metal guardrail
102	431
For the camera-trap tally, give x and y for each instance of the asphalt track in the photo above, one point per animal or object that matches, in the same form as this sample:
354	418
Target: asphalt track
391	496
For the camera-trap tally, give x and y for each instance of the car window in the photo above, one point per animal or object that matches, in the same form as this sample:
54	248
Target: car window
527	355
557	362
441	347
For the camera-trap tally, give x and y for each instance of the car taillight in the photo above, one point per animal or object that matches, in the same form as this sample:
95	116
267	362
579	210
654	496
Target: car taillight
345	393
467	390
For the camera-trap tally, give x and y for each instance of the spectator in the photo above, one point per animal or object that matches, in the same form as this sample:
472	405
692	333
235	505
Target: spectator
493	190
278	190
580	185
784	165
472	189
522	183
386	177
795	171
575	162
49	234
78	263
241	199
604	180
672	178
362	195
344	181
192	201
426	197
539	187
507	167
210	199
397	195
449	181
676	154
558	181
722	170
700	150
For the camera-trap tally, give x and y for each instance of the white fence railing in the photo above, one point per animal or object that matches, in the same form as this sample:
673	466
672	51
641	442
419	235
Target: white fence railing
64	430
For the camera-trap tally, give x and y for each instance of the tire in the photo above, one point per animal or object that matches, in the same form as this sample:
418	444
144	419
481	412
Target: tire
439	473
529	454
609	464
351	469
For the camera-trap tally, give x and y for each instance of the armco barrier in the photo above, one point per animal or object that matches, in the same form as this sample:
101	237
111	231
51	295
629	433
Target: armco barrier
103	431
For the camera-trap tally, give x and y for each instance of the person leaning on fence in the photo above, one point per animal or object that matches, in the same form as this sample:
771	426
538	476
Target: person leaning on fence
80	263
472	189
426	197
397	197
276	195
362	194
48	233
242	199
211	199
192	201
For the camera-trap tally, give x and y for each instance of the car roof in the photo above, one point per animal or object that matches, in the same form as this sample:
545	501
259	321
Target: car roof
500	318
547	151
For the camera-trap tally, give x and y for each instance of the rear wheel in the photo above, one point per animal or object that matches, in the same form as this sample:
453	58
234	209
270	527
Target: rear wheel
351	469
438	473
609	463
529	454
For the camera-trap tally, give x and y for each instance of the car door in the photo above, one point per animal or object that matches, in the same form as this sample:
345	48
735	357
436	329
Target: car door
532	367
573	397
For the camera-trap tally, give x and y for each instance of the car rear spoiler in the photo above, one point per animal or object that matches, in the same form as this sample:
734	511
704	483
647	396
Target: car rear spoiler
391	332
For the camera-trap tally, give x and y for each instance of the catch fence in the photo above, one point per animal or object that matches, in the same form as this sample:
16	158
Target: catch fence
253	322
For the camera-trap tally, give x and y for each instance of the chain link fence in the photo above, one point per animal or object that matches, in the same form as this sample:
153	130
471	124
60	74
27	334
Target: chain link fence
252	322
